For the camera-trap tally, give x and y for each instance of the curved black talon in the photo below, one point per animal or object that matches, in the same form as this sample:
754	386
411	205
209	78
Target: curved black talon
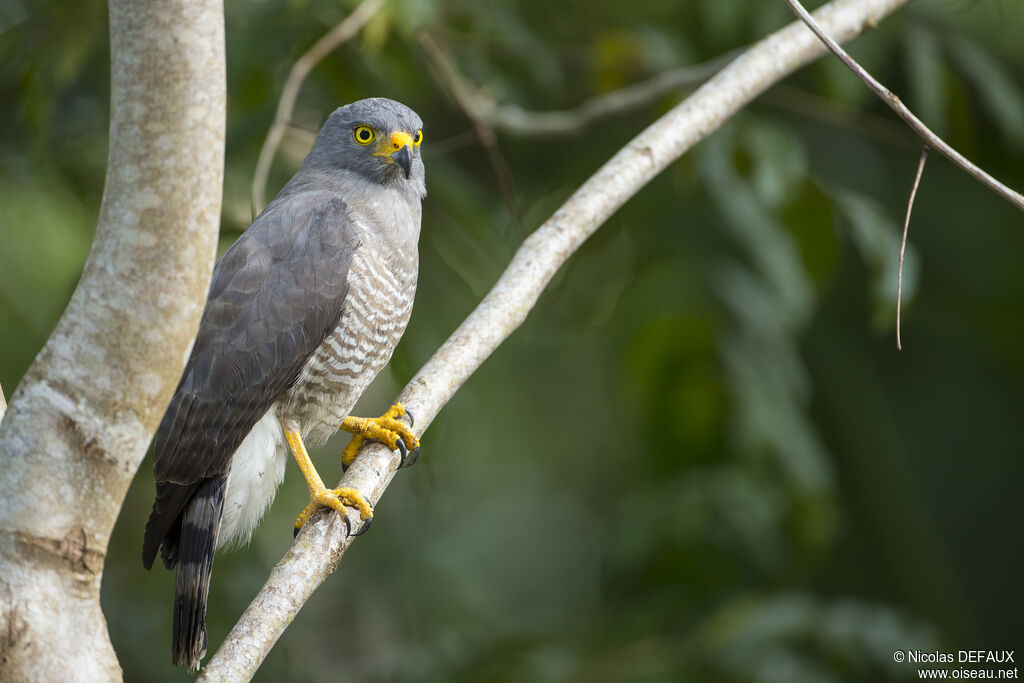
414	455
362	530
412	420
295	531
408	457
344	468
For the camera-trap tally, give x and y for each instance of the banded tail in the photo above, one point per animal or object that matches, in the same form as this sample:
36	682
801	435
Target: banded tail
200	523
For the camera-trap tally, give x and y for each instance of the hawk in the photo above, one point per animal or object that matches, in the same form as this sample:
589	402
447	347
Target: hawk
303	311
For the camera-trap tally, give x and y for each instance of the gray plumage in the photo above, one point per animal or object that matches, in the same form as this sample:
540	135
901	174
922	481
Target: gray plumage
304	310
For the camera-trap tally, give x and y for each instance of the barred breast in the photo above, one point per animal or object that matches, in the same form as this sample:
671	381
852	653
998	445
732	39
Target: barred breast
381	289
377	309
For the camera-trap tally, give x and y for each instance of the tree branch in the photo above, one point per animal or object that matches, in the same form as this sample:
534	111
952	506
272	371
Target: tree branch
3	404
80	421
515	120
894	102
836	113
459	91
347	28
322	542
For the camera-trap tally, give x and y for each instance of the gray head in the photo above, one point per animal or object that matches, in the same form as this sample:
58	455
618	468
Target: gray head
376	138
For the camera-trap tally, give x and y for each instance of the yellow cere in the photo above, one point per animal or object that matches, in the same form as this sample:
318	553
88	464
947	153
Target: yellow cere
399	140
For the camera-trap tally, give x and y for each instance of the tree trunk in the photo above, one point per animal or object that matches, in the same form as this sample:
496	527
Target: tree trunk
80	421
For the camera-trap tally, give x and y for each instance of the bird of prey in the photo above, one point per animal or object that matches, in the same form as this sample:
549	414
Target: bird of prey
303	311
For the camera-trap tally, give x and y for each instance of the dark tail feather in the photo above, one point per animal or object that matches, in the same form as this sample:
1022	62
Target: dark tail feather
199	526
164	525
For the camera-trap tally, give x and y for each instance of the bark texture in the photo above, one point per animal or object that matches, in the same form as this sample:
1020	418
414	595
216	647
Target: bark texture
79	423
322	542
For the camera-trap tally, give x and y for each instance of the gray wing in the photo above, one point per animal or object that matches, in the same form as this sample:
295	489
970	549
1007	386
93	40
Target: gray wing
275	296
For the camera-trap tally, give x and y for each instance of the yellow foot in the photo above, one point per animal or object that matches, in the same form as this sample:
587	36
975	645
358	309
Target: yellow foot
337	499
320	495
387	428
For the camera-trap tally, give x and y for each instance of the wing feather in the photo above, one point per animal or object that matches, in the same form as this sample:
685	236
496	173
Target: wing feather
275	296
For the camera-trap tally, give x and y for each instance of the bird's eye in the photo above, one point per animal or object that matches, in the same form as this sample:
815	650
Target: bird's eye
418	139
364	135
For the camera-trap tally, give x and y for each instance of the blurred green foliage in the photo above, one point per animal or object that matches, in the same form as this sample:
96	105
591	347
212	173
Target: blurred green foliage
701	458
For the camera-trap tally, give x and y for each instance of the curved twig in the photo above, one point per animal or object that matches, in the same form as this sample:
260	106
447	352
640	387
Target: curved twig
347	28
903	243
322	542
515	120
894	102
454	84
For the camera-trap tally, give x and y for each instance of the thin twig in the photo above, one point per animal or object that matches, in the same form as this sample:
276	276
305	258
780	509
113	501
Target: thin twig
513	119
323	541
484	131
903	243
347	28
930	138
834	112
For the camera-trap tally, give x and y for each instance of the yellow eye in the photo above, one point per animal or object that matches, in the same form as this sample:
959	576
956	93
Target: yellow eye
418	139
364	135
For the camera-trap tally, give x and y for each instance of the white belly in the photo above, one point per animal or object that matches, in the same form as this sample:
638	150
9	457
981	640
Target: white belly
257	469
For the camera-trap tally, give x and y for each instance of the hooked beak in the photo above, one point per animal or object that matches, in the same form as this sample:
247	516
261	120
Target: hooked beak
401	145
403	158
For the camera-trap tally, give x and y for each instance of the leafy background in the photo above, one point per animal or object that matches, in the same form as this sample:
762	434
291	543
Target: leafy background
702	457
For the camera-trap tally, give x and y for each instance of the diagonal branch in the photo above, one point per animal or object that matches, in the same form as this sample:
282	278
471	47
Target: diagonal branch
931	139
3	404
322	542
348	27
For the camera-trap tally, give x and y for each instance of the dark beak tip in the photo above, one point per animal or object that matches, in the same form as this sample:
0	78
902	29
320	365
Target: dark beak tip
403	158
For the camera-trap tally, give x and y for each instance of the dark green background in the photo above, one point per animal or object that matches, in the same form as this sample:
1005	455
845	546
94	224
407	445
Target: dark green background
702	457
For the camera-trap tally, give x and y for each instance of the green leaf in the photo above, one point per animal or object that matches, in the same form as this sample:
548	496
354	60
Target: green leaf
877	236
929	89
1000	95
779	161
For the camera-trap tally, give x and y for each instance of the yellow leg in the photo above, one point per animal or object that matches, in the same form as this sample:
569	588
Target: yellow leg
387	428
320	495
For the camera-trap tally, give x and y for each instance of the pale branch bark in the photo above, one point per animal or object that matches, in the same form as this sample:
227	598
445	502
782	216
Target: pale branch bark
80	421
322	542
904	112
3	404
344	30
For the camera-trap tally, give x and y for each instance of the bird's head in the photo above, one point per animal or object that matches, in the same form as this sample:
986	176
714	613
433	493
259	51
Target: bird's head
377	138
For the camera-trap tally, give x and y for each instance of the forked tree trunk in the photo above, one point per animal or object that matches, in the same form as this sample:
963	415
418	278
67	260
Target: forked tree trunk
79	423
